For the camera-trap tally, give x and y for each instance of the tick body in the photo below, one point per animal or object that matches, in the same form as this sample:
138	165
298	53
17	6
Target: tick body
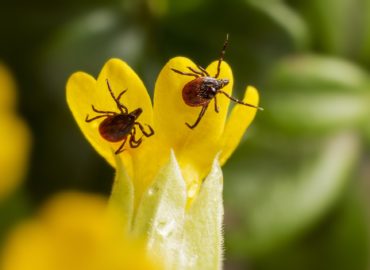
120	126
203	88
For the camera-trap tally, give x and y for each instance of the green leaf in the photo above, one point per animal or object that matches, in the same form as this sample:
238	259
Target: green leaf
282	199
317	94
318	112
89	40
286	18
341	238
161	8
365	43
312	70
336	24
367	134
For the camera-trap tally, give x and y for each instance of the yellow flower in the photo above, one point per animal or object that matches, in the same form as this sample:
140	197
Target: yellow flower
73	231
14	138
157	185
195	150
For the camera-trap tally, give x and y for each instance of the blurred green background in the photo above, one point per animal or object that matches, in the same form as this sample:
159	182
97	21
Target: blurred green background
297	189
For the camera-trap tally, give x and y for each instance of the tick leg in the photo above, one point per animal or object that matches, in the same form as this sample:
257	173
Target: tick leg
99	111
216	106
203	70
201	73
110	90
120	94
94	118
239	101
133	142
204	108
120	149
185	73
120	104
147	134
222	56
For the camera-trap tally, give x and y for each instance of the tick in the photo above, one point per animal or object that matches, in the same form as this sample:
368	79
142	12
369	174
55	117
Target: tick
200	91
118	126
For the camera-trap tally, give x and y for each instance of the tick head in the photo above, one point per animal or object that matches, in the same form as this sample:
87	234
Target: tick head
218	84
136	113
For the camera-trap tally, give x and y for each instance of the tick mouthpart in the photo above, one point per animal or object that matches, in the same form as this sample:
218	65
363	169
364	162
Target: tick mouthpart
224	82
137	112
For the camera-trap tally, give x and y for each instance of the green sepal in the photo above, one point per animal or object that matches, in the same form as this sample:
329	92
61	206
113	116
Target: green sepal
203	230
183	237
121	199
160	215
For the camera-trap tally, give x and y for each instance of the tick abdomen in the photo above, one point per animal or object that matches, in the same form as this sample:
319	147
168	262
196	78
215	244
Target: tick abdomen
192	93
116	128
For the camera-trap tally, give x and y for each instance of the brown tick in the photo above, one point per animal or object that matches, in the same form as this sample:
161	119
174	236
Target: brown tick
118	126
201	90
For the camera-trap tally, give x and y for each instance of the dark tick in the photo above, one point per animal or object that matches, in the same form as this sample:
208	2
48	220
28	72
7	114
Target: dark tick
201	90
118	126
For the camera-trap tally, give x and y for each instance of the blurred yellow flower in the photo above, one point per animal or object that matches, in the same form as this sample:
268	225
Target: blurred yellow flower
14	138
73	232
7	93
195	150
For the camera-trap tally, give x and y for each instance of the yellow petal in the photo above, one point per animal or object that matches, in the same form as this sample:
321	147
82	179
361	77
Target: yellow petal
73	232
195	149
122	77
239	120
15	146
83	91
